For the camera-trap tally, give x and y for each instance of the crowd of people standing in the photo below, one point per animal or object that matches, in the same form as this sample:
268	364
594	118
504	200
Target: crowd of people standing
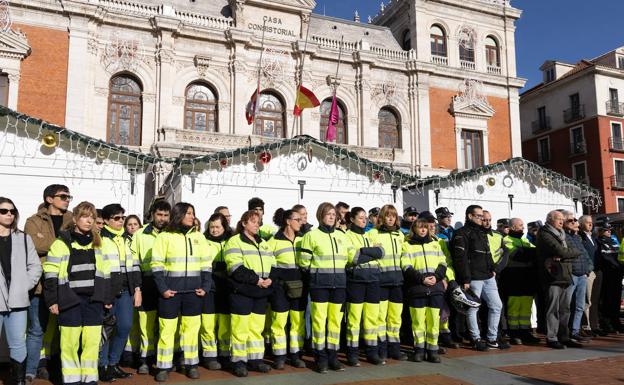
102	289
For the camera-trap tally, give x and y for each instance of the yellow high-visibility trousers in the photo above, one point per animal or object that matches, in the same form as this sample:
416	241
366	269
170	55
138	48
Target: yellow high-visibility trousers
247	323
519	312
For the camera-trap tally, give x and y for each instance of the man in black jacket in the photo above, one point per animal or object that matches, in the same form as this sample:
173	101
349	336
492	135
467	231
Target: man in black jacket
555	270
474	269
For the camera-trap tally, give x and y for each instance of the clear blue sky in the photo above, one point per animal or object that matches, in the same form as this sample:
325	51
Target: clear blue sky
565	30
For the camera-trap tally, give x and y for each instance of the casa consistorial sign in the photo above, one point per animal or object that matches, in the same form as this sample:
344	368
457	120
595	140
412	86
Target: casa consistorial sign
276	25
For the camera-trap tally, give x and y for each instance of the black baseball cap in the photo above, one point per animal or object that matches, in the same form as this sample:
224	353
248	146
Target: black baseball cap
536	224
374	211
427	216
443	212
505	222
411	210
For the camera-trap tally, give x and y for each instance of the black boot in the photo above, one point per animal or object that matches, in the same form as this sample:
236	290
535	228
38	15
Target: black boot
394	352
116	372
320	358
419	355
372	356
383	350
296	361
353	357
334	364
104	375
18	372
432	356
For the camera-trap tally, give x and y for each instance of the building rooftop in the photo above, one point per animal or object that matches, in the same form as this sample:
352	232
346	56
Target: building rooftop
334	28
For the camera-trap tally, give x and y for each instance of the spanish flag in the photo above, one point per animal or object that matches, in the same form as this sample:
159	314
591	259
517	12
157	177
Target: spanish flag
305	99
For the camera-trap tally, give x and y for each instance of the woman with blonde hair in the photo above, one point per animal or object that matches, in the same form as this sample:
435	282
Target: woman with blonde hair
389	237
424	265
324	255
77	289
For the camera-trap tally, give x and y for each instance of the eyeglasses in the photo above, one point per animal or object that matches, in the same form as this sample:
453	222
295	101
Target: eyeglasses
478	216
6	211
573	220
119	218
64	197
296	219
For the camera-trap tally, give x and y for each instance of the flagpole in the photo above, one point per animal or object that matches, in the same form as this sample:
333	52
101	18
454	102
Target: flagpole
335	83
259	73
300	82
338	66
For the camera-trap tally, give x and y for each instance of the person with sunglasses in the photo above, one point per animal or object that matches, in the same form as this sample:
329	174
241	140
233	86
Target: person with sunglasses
581	267
475	270
44	227
77	290
126	289
289	298
20	270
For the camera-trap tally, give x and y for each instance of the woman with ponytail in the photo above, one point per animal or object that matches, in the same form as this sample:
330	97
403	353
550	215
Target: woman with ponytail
289	299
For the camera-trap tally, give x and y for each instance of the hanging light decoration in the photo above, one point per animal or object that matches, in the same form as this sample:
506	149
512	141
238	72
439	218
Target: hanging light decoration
49	140
265	157
491	181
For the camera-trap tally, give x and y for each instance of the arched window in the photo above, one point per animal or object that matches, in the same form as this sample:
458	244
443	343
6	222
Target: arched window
407	40
271	116
200	109
124	111
341	126
492	52
438	41
389	128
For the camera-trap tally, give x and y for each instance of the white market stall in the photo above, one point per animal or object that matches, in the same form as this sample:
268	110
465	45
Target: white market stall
93	170
511	188
302	170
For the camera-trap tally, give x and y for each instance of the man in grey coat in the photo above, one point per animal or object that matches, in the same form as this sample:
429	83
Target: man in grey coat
555	270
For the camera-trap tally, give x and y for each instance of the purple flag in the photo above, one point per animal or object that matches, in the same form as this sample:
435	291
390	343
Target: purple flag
330	135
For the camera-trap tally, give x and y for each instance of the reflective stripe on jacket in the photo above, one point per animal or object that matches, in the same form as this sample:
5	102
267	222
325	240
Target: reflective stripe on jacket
124	267
59	284
390	264
181	261
324	254
422	260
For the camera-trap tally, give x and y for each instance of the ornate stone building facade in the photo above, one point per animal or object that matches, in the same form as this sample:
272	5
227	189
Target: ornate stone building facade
426	85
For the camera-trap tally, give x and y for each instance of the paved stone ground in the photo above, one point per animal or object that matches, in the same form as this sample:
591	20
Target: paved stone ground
600	362
601	371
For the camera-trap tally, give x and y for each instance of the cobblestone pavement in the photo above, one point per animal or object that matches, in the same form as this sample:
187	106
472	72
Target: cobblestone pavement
601	362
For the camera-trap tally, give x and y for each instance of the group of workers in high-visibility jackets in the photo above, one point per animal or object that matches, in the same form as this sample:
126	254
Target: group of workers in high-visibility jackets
217	298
